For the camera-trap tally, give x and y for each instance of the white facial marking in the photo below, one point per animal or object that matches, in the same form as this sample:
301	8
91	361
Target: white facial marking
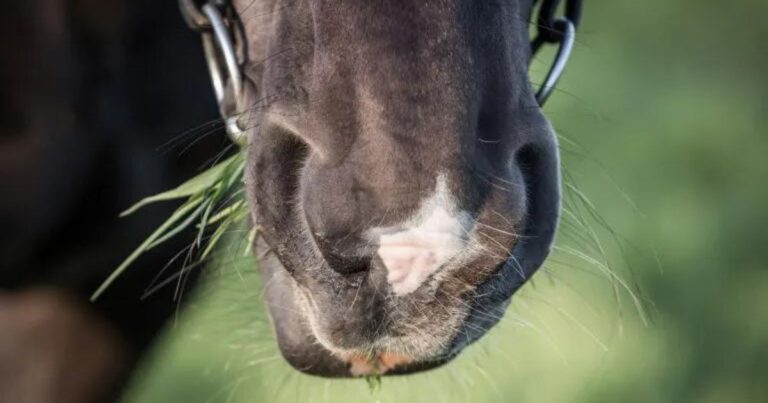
437	233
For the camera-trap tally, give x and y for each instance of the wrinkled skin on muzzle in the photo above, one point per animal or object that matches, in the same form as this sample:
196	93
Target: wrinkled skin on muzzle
403	179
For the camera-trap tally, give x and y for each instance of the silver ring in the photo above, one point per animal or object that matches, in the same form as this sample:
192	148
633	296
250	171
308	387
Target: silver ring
221	35
558	66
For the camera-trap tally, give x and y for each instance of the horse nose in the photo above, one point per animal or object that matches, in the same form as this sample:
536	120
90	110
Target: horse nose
347	254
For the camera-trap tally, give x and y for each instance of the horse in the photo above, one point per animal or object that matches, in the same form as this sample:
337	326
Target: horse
402	176
400	172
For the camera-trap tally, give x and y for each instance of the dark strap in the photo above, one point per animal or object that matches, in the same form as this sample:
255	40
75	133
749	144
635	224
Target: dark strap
549	30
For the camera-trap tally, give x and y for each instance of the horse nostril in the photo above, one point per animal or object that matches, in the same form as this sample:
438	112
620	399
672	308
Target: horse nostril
351	266
344	254
540	167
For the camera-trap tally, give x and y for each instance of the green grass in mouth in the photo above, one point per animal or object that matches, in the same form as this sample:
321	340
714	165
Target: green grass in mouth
214	202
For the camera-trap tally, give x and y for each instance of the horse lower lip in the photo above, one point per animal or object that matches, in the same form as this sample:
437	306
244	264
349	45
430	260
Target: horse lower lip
361	364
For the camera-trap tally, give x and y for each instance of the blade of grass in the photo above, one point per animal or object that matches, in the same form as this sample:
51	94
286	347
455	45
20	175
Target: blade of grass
181	227
220	231
176	216
196	185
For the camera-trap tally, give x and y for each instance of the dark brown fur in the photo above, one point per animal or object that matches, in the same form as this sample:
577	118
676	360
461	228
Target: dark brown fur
357	107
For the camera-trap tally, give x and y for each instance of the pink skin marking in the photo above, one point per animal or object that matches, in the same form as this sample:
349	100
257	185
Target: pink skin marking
378	364
434	236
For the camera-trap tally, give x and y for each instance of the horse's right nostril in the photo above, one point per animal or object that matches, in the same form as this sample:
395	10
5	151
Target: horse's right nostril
351	266
340	260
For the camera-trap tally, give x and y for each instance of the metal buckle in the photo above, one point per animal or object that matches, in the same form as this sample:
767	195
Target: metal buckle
218	37
567	35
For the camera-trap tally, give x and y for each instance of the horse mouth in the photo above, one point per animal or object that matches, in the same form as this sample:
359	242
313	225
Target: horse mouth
388	364
327	345
336	314
334	346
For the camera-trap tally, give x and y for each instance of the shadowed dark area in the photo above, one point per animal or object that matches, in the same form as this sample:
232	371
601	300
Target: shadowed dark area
88	95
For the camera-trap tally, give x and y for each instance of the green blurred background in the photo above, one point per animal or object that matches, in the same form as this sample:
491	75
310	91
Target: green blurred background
661	113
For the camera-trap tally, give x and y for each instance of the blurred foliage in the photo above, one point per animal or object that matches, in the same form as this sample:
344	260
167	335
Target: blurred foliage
662	115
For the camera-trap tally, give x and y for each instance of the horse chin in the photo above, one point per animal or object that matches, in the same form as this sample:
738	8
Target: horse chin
299	343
